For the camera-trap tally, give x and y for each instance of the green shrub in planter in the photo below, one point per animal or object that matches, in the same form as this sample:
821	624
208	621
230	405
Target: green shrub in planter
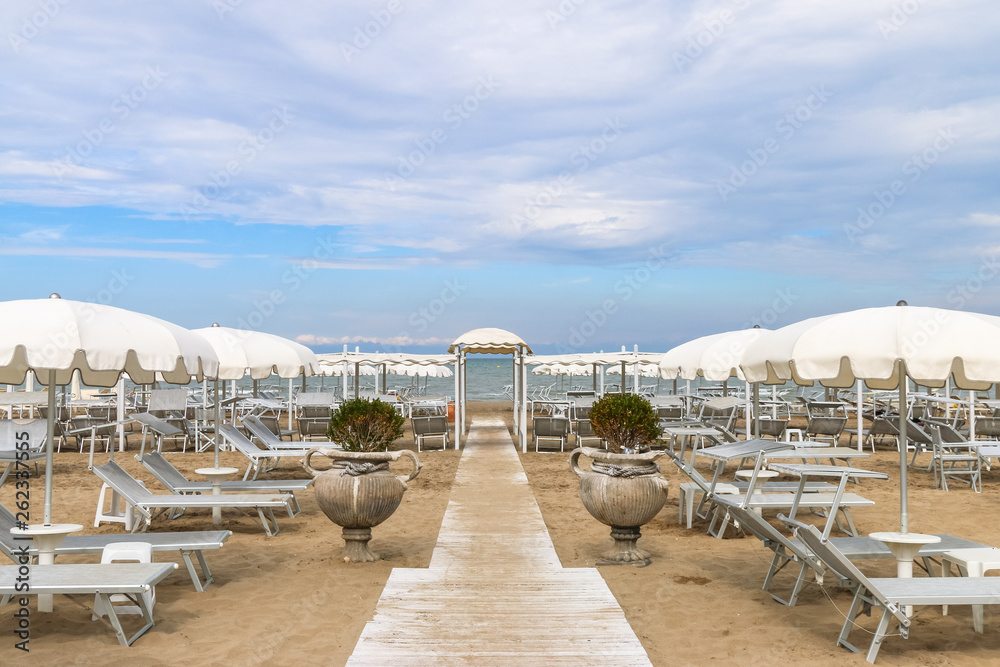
628	422
361	425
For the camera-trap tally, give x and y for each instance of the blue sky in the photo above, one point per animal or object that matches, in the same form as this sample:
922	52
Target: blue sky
586	174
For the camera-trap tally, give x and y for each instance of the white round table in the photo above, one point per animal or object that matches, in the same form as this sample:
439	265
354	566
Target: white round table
45	538
216	476
758	485
904	546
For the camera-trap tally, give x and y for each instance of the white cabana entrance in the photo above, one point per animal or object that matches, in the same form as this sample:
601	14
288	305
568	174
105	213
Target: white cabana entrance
492	341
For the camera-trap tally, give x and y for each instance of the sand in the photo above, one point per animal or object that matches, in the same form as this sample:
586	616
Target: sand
291	598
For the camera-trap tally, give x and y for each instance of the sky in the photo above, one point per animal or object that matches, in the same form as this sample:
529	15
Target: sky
389	174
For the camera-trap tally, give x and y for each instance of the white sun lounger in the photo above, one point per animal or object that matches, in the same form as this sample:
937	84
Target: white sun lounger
271	441
892	595
131	579
177	483
260	459
187	542
790	550
149	505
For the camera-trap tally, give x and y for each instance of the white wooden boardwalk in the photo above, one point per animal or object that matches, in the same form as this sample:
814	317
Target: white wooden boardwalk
495	593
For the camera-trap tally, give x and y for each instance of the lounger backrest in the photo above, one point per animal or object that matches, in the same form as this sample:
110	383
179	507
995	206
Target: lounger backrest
259	430
758	526
834	559
238	440
430	425
163	470
690	471
167	400
10	428
7	543
118	479
551	426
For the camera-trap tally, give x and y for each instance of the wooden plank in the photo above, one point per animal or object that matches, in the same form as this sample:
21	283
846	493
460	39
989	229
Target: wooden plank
495	592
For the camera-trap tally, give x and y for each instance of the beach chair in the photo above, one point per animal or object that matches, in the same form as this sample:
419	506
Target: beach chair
170	405
891	595
550	428
260	460
177	483
149	505
10	455
188	543
955	460
709	490
270	440
789	550
102	581
430	427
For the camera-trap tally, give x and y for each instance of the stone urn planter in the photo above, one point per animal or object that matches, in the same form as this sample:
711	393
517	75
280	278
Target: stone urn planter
357	492
624	491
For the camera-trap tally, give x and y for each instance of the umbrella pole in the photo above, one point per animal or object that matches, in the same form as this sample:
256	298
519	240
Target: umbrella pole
903	518
50	430
218	421
756	411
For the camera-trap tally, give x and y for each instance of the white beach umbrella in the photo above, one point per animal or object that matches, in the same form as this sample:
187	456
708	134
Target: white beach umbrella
716	357
258	354
55	337
880	346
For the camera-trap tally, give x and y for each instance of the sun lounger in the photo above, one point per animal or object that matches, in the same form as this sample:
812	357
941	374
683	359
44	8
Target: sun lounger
260	459
268	438
131	579
700	485
149	505
187	542
9	454
892	595
176	482
789	550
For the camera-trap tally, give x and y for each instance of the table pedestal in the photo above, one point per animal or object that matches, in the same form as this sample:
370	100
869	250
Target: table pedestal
45	539
904	546
216	476
758	485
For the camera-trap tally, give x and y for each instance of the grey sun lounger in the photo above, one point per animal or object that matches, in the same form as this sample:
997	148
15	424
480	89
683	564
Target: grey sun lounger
789	550
149	505
187	542
260	459
891	595
177	483
271	441
131	579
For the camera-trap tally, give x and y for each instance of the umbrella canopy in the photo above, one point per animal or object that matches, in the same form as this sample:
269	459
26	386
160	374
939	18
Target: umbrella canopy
257	353
55	337
867	344
880	346
716	357
645	370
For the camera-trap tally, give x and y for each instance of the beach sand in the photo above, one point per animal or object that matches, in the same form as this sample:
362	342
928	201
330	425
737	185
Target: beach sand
291	599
